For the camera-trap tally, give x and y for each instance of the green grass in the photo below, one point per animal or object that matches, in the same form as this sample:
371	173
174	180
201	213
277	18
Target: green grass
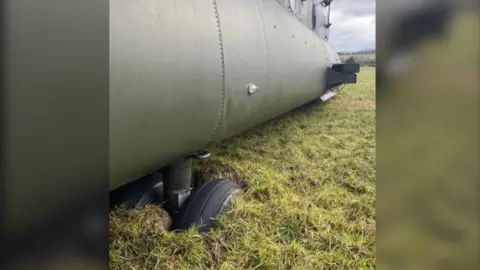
310	202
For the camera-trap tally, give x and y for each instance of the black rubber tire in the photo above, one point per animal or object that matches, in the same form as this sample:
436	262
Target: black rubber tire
146	190
205	203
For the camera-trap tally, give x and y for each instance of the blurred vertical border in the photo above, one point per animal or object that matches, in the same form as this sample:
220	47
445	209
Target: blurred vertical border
54	134
428	134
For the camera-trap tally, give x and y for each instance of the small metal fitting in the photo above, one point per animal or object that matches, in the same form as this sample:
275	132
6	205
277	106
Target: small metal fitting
252	88
202	154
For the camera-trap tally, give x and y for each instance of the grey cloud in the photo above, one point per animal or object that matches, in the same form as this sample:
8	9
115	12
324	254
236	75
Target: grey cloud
353	25
354	7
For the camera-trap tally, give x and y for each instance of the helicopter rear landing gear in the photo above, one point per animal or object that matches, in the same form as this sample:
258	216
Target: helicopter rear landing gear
173	188
189	205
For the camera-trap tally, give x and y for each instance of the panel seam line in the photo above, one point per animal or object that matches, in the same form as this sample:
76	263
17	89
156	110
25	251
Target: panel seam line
267	46
217	128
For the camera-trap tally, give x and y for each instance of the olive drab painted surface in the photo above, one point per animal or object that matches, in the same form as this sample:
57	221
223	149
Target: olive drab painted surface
166	82
180	72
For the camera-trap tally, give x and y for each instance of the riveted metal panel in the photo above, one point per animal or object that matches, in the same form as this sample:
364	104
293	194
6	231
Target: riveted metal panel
265	45
246	61
297	58
166	82
180	72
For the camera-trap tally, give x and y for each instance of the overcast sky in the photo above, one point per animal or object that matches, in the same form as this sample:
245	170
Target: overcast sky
353	25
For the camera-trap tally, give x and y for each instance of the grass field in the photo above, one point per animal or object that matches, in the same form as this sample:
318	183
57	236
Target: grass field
310	202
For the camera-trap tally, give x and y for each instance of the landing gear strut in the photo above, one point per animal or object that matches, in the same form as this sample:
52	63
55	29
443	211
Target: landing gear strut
177	184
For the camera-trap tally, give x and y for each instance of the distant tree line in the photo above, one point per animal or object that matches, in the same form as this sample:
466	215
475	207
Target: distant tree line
365	51
363	57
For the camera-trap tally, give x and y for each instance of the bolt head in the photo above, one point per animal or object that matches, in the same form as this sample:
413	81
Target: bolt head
252	88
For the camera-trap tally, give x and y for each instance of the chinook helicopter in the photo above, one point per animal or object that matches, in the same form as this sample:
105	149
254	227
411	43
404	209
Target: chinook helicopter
187	74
